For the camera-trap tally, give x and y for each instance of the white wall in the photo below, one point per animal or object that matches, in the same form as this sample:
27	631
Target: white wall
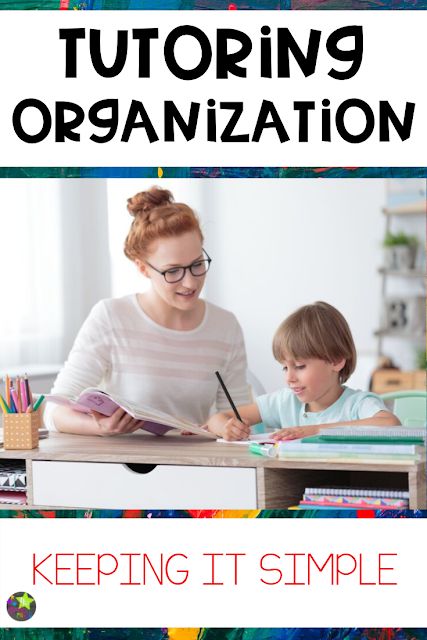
279	244
85	266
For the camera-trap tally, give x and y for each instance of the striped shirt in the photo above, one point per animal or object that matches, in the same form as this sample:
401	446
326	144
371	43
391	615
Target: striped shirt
122	351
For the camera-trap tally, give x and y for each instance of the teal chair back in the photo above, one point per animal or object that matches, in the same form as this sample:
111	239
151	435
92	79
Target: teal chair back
409	406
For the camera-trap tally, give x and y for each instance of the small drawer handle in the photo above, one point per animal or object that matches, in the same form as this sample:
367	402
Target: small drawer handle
140	468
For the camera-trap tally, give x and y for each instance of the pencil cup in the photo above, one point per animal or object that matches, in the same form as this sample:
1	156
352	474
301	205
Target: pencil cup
21	430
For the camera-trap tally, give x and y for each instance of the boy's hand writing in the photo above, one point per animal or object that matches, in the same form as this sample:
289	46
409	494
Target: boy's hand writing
293	433
228	427
233	429
118	423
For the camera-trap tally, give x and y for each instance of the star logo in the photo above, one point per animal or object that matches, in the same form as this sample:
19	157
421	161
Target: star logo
25	601
21	606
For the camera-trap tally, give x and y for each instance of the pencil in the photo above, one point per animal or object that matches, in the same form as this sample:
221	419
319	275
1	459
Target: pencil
18	393
14	398
27	390
4	406
7	389
38	403
224	388
24	401
12	405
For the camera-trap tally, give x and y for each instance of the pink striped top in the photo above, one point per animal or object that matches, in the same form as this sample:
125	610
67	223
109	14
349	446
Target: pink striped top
121	350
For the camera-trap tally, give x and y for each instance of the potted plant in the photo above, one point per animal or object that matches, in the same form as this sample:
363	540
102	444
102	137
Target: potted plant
421	359
400	251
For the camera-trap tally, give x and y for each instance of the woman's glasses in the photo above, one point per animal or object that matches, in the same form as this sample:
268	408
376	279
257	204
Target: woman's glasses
175	274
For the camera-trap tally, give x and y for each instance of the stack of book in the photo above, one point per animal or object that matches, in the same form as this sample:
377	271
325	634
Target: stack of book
352	498
13	484
370	444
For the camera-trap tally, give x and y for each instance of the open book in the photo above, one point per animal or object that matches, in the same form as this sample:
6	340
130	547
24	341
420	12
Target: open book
156	422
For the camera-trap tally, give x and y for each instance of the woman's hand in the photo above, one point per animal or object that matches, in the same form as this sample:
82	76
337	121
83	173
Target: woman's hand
293	433
118	423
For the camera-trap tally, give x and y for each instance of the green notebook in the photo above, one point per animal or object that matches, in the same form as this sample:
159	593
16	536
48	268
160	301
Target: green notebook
352	438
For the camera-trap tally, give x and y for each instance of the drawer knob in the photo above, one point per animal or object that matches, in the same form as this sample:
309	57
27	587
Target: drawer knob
140	468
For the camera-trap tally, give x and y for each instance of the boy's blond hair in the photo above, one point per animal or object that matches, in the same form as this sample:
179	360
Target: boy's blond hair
316	331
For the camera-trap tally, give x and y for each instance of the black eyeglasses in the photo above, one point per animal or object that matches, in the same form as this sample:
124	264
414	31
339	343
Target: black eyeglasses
175	274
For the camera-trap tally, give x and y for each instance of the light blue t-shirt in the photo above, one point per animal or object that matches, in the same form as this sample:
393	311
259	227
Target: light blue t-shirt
283	409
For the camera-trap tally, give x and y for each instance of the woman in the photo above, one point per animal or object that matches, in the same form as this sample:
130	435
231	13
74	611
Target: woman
159	348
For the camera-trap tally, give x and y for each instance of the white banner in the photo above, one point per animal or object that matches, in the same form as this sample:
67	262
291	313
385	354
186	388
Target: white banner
309	88
226	573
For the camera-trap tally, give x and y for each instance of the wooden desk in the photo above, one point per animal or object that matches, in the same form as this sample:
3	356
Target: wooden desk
188	472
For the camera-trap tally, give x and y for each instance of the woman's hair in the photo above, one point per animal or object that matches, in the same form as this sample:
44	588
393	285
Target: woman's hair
156	215
316	331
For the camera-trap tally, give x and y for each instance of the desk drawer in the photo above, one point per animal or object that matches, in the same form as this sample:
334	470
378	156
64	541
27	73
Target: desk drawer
116	486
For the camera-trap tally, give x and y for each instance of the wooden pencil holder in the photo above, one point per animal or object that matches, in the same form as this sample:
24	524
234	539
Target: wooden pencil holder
21	430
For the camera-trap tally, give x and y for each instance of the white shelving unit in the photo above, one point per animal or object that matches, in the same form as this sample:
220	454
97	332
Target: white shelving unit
407	321
402	331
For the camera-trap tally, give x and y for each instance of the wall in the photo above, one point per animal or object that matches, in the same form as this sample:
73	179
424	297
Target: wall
86	274
279	244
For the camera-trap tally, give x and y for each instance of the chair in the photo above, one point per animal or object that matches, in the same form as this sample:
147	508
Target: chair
409	406
257	388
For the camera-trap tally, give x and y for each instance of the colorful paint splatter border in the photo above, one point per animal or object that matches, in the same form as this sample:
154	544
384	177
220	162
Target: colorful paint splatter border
209	513
213	172
214	634
213	5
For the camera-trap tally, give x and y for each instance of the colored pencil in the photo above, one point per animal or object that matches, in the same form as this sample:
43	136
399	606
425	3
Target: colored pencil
28	390
24	401
18	393
38	402
7	389
12	405
14	397
3	405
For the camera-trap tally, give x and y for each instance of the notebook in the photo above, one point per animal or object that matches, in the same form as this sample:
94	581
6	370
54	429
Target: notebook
354	491
256	438
317	446
370	435
12	497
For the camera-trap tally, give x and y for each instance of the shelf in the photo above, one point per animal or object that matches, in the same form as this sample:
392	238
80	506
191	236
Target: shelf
412	209
399	334
408	273
13	494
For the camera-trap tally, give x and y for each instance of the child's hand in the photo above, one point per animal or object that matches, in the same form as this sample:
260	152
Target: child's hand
293	433
233	429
